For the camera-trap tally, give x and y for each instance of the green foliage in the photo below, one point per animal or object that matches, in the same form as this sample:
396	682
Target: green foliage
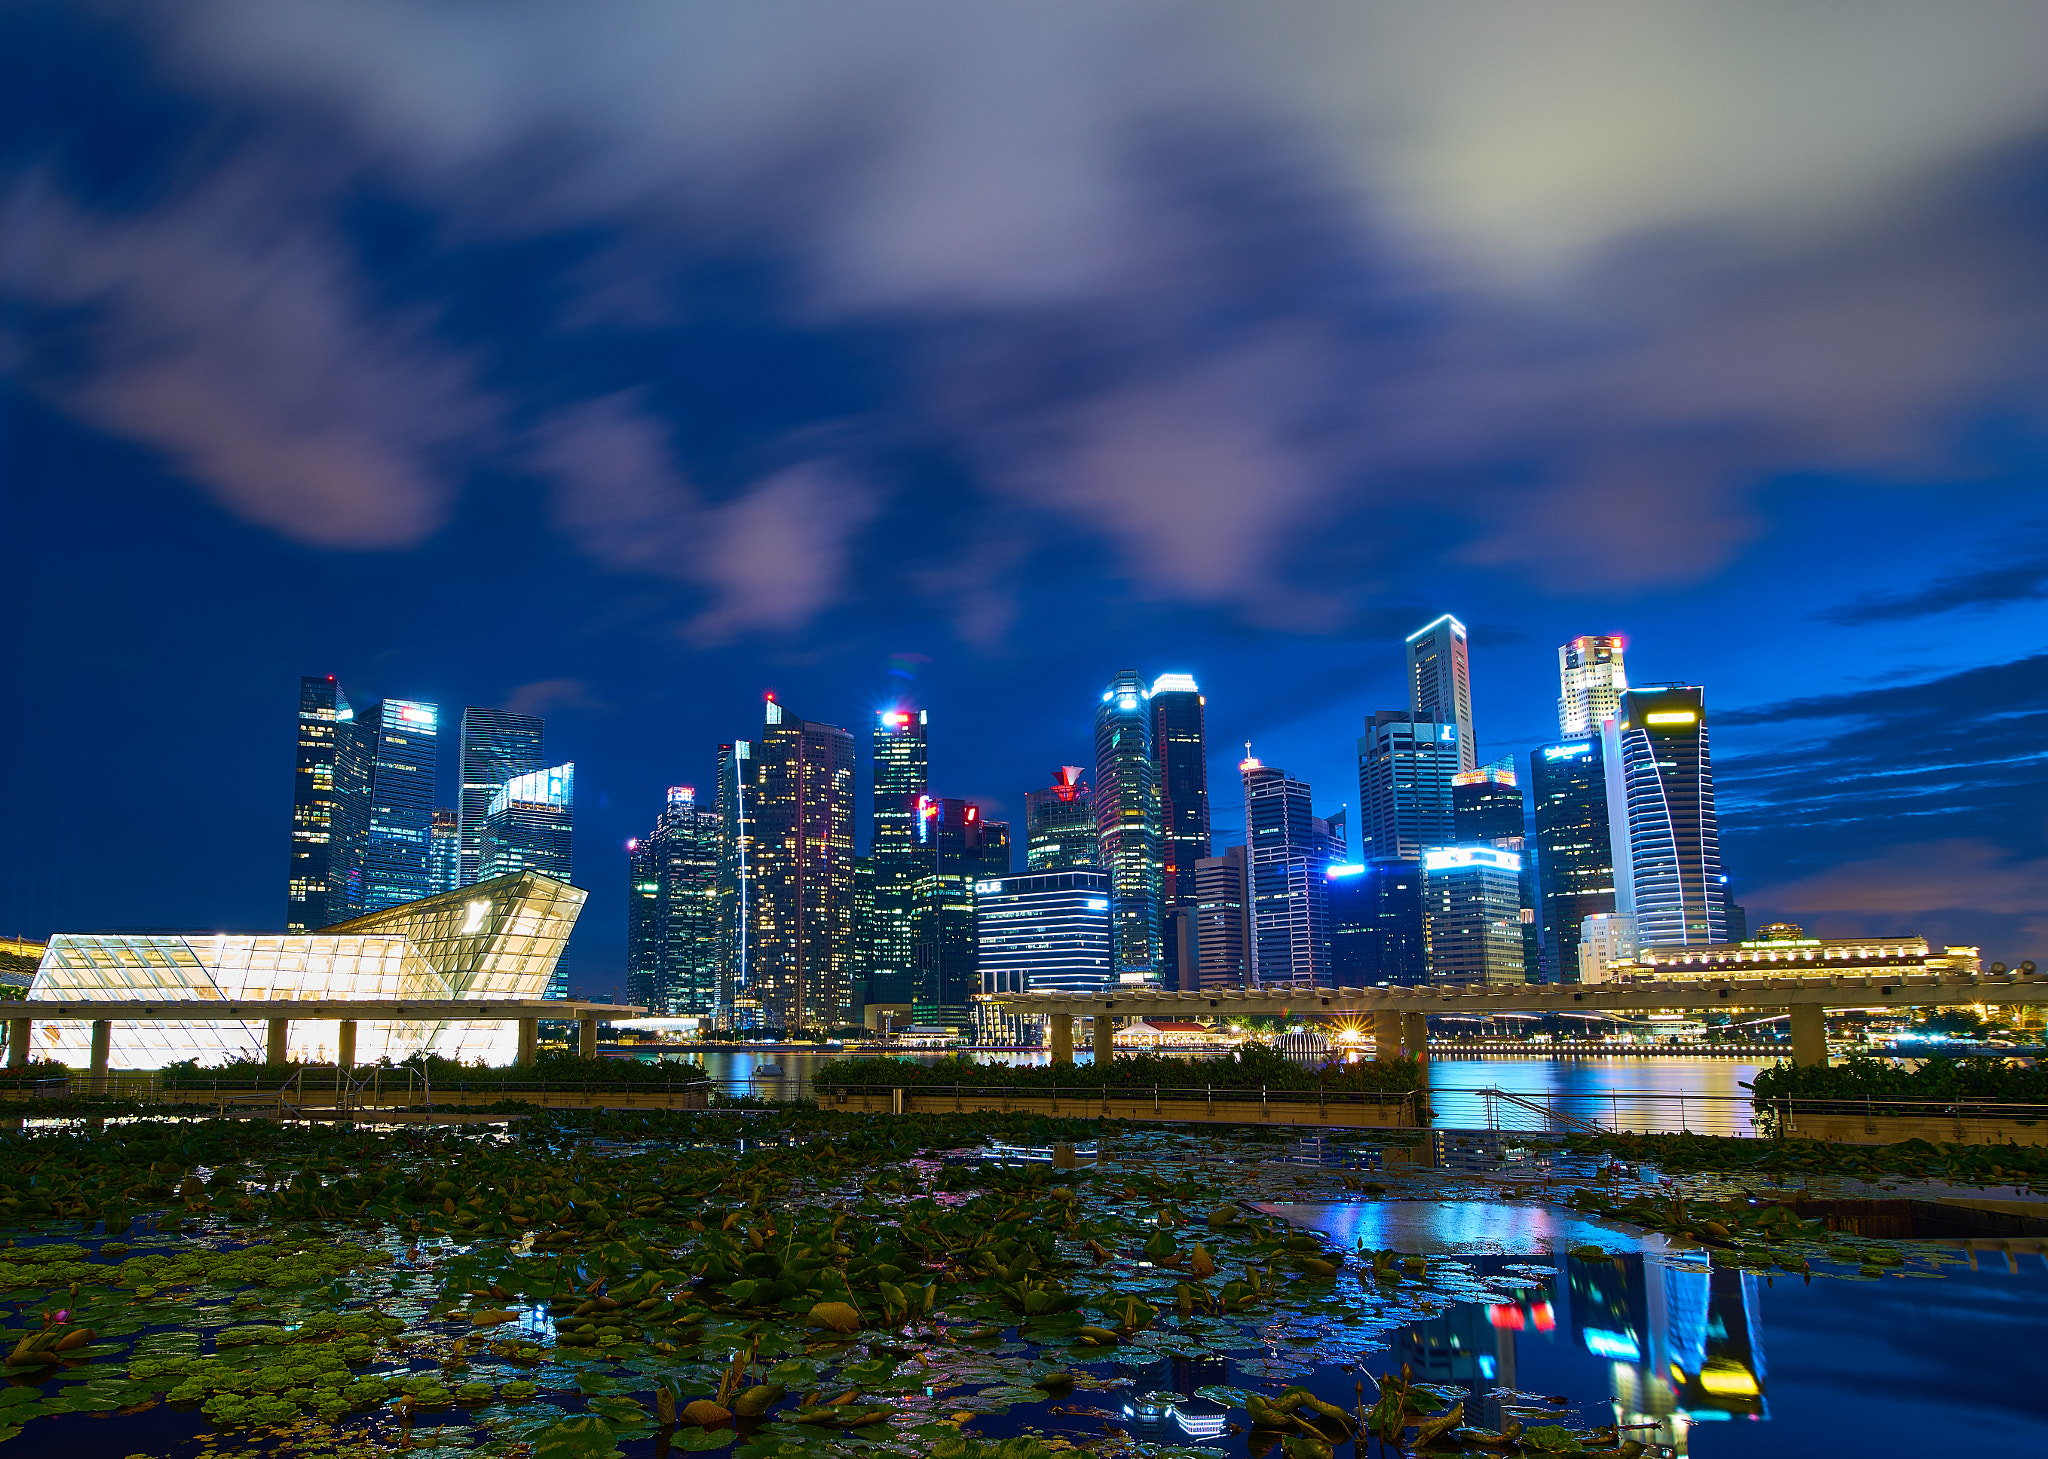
1861	1077
1253	1066
1795	1159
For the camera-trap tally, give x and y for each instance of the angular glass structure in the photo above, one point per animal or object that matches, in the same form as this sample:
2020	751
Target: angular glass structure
498	939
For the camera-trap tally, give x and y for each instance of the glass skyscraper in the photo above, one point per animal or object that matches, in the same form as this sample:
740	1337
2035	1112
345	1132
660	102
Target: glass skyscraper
1591	679
1222	920
1059	824
312	898
1376	931
496	745
958	850
384	806
530	825
1471	911
1405	766
1662	822
672	952
1127	826
800	931
738	795
1180	748
1288	858
896	851
1045	932
444	853
1574	851
1440	682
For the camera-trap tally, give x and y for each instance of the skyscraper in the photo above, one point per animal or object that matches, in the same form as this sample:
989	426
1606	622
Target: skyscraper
1486	810
384	806
738	796
444	852
1590	681
311	877
901	781
530	825
672	927
1405	767
1376	927
1180	748
959	849
1127	826
1440	682
496	745
800	933
1471	912
1059	825
1222	920
1288	859
1664	830
1043	932
1574	853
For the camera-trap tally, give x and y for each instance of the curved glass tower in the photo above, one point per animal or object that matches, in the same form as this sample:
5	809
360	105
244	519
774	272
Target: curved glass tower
1127	825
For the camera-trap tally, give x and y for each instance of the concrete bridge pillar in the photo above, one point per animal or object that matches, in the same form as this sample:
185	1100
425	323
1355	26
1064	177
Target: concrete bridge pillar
1809	1033
275	1044
345	1055
18	1033
1105	1039
102	1052
586	1036
1386	1034
1415	1036
529	1042
1062	1037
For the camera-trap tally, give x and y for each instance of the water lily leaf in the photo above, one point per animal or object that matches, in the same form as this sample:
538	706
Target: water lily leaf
696	1441
580	1437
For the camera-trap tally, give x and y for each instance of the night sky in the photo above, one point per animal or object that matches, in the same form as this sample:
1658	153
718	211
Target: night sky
620	362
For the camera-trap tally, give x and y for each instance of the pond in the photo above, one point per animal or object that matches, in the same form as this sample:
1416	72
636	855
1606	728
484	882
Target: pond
564	1286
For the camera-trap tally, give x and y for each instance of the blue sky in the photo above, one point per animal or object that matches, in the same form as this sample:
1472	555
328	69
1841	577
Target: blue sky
625	361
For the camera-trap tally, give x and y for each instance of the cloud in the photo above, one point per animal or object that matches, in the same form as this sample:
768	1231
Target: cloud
2024	580
545	694
1958	881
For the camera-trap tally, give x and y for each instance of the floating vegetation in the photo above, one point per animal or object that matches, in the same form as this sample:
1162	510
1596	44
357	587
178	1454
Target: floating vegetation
1983	1165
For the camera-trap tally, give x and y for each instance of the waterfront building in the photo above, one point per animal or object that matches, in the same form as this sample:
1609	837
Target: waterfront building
1287	857
496	940
1405	767
800	935
1180	749
312	897
1222	934
673	947
1574	851
1591	678
738	794
1486	810
1059	825
1041	932
1663	828
1605	938
444	852
1471	907
959	849
1127	826
1440	683
1376	927
898	850
530	825
863	966
1789	953
496	745
384	762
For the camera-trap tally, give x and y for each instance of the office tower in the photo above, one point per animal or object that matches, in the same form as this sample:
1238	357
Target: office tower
1376	927
384	806
1486	810
1222	938
1180	749
800	933
1472	915
1665	836
311	881
1127	826
738	794
1042	932
861	971
1605	938
643	923
1590	681
1574	855
529	825
960	849
1059	825
672	948
1286	860
496	745
1440	683
899	853
444	852
1405	768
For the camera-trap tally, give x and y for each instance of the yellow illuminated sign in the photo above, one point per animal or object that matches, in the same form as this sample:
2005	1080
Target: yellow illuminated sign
1671	716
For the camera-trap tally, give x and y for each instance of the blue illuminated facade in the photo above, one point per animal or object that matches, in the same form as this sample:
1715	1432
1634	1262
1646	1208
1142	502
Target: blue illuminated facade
1128	827
384	806
1376	931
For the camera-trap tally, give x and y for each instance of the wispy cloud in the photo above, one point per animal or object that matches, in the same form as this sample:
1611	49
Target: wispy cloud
1995	585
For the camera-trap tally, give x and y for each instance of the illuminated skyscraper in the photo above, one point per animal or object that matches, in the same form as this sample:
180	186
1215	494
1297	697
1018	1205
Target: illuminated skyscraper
738	795
1590	681
958	849
800	933
1405	768
1288	861
672	928
496	745
1486	810
312	878
1059	825
384	806
1376	931
1180	748
444	853
1222	921
901	781
1045	932
1127	826
1471	913
1665	834
1574	852
1440	683
530	825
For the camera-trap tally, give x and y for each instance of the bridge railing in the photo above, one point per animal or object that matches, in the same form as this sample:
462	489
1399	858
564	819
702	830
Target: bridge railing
1641	1111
